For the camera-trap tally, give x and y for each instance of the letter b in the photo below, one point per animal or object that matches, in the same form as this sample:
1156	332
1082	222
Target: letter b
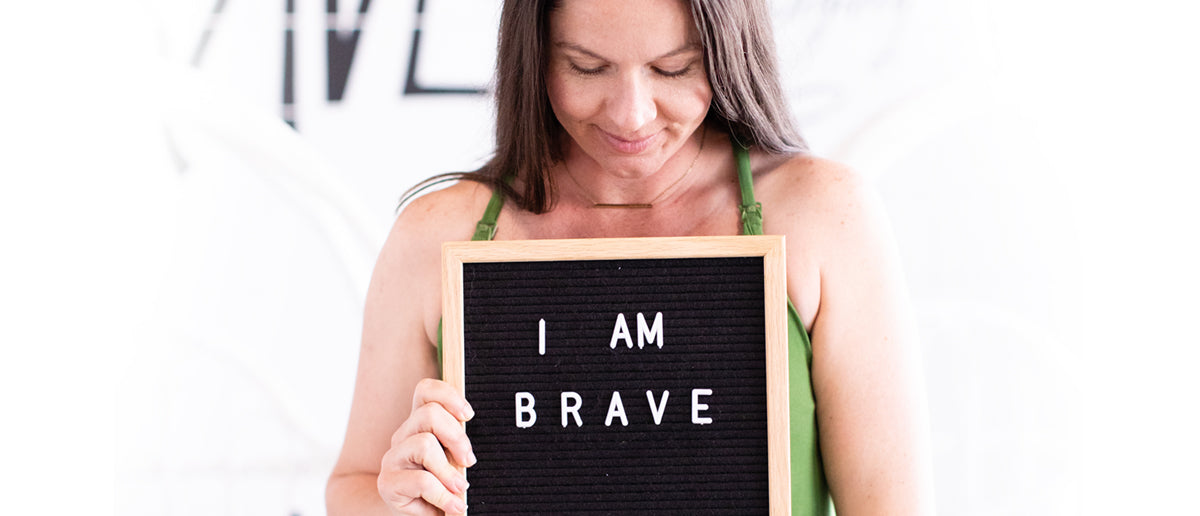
524	402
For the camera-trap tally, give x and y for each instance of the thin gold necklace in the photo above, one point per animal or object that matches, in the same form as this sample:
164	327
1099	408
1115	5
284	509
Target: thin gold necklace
639	205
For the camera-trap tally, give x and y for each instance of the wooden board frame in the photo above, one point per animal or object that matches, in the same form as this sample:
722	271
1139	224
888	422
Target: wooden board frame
770	248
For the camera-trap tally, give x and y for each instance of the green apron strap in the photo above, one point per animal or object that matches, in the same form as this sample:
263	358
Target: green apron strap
751	210
485	229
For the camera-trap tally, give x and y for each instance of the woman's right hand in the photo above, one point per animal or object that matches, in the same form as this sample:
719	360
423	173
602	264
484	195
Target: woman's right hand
419	473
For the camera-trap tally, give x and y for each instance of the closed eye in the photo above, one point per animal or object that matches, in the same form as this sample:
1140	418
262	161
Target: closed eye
674	73
586	71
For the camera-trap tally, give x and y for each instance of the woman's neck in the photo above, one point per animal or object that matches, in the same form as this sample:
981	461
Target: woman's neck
589	183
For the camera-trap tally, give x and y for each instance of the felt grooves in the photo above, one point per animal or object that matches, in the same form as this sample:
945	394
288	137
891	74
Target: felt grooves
713	335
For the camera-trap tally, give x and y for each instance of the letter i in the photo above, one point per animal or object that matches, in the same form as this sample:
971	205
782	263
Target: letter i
541	336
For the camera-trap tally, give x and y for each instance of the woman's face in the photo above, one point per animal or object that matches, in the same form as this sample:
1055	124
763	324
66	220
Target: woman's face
626	80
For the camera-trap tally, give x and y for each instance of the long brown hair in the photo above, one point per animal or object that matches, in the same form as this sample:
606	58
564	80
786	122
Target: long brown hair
739	60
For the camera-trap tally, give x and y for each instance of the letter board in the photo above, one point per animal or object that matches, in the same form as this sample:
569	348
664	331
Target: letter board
618	376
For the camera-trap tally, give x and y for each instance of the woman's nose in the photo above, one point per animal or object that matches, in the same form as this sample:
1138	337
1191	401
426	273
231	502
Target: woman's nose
631	105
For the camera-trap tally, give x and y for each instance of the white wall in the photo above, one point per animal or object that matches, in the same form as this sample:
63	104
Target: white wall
172	245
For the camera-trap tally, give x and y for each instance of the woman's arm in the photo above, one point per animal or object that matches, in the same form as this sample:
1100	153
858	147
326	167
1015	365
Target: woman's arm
866	371
400	417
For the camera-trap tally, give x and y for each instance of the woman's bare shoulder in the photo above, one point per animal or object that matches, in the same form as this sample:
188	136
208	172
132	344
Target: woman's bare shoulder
444	215
408	270
816	196
414	244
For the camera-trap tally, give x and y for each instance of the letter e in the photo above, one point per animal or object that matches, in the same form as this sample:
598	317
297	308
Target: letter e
697	406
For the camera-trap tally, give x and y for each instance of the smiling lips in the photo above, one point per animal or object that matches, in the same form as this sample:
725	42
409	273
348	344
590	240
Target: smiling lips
628	146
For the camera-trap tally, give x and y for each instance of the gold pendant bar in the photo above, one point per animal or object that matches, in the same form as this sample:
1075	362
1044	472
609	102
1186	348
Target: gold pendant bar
631	206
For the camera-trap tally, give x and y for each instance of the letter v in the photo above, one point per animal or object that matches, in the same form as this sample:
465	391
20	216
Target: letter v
657	412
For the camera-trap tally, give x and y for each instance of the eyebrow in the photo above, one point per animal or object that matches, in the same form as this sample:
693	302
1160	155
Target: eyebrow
687	47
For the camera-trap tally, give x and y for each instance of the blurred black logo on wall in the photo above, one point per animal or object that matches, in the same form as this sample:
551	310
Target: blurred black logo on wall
340	49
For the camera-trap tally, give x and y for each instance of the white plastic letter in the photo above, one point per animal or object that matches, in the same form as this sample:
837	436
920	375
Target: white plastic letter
541	336
652	334
620	331
616	409
524	402
697	406
657	412
572	409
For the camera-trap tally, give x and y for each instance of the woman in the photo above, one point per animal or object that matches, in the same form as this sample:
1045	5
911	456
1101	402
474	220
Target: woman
626	118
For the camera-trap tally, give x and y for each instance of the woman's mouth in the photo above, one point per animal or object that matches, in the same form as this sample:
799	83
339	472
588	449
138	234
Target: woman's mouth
634	144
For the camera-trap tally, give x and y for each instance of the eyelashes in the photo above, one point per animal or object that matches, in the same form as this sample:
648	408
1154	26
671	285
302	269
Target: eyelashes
674	73
589	72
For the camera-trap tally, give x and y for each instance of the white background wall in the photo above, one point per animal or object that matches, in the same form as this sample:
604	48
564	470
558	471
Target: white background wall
182	275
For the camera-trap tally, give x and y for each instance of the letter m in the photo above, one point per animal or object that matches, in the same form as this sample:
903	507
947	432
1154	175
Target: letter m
653	333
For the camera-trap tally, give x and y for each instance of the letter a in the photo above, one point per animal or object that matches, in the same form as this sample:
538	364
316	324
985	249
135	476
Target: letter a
617	409
524	402
652	334
621	331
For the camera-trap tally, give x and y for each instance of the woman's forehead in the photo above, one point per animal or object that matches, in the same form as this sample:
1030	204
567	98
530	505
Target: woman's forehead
623	28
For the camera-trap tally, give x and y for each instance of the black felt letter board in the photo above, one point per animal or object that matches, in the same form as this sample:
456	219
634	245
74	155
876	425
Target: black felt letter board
711	362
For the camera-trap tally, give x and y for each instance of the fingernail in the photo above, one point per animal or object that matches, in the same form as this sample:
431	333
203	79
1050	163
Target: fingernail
456	506
461	484
471	460
467	411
